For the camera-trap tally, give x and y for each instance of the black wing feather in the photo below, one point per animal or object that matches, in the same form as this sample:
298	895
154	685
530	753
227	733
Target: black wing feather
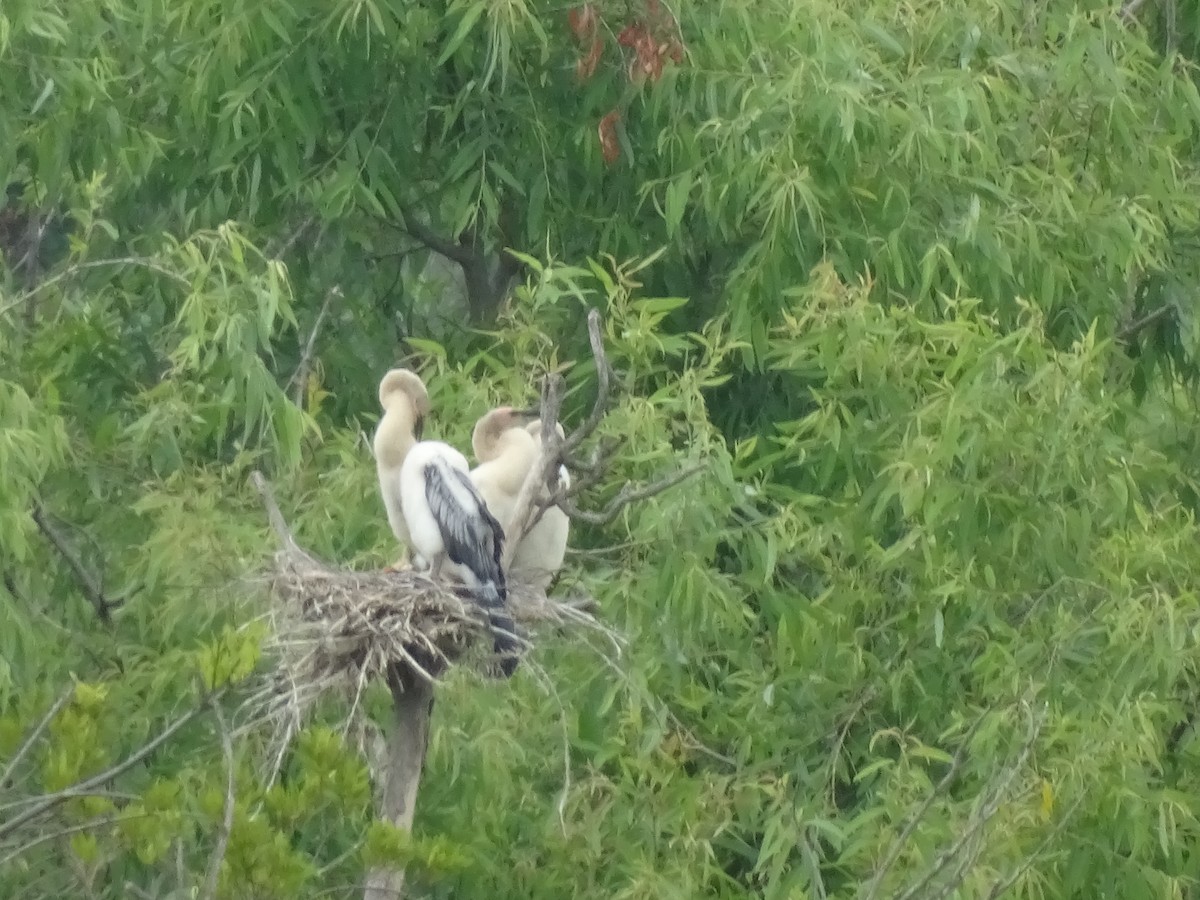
474	539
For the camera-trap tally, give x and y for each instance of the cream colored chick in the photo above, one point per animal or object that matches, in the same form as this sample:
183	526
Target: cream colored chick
405	403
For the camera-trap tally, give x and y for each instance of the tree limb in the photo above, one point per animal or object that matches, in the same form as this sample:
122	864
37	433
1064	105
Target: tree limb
90	585
412	707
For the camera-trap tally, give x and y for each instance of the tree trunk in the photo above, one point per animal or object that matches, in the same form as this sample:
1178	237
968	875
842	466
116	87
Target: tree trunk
412	706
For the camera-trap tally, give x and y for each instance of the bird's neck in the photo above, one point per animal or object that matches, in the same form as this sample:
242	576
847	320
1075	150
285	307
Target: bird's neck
515	454
394	437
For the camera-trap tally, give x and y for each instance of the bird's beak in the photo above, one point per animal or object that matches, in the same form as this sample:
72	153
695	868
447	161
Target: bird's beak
419	427
533	413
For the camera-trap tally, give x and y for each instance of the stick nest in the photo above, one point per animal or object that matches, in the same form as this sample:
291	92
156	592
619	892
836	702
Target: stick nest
335	629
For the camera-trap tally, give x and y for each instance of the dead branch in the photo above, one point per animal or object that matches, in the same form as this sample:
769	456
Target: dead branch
299	379
41	726
218	855
84	788
91	586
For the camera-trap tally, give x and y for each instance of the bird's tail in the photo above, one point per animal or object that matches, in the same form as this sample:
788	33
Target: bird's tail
492	596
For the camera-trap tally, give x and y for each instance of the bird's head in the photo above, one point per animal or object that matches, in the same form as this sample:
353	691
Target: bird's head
491	431
405	386
535	428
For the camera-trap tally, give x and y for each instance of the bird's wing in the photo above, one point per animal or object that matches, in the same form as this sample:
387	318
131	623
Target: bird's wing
472	536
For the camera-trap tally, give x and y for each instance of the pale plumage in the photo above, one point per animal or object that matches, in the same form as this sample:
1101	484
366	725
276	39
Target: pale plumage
450	527
405	403
540	554
507	452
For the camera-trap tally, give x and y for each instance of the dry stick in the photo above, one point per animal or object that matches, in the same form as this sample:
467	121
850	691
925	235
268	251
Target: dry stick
88	582
412	705
35	734
218	855
50	801
299	378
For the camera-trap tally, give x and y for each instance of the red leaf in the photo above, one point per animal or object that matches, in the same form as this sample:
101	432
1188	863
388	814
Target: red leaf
607	131
629	35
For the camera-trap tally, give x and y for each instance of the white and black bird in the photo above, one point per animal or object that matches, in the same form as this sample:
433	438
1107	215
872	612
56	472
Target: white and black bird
450	527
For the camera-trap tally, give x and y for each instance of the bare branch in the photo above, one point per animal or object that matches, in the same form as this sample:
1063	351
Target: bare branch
627	495
299	379
278	523
88	582
83	788
543	471
291	239
218	854
603	386
35	734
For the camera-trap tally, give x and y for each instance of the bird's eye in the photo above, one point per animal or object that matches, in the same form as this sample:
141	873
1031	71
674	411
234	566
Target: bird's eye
419	427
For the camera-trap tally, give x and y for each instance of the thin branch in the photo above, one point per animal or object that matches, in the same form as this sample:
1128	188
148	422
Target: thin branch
218	854
88	582
299	379
75	829
144	262
542	472
914	820
278	523
50	801
627	495
1145	321
35	734
291	239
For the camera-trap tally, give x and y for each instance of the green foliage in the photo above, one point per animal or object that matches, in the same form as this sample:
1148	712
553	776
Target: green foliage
912	284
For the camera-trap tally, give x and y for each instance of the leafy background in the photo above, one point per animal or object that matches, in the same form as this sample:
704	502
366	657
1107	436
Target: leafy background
914	281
